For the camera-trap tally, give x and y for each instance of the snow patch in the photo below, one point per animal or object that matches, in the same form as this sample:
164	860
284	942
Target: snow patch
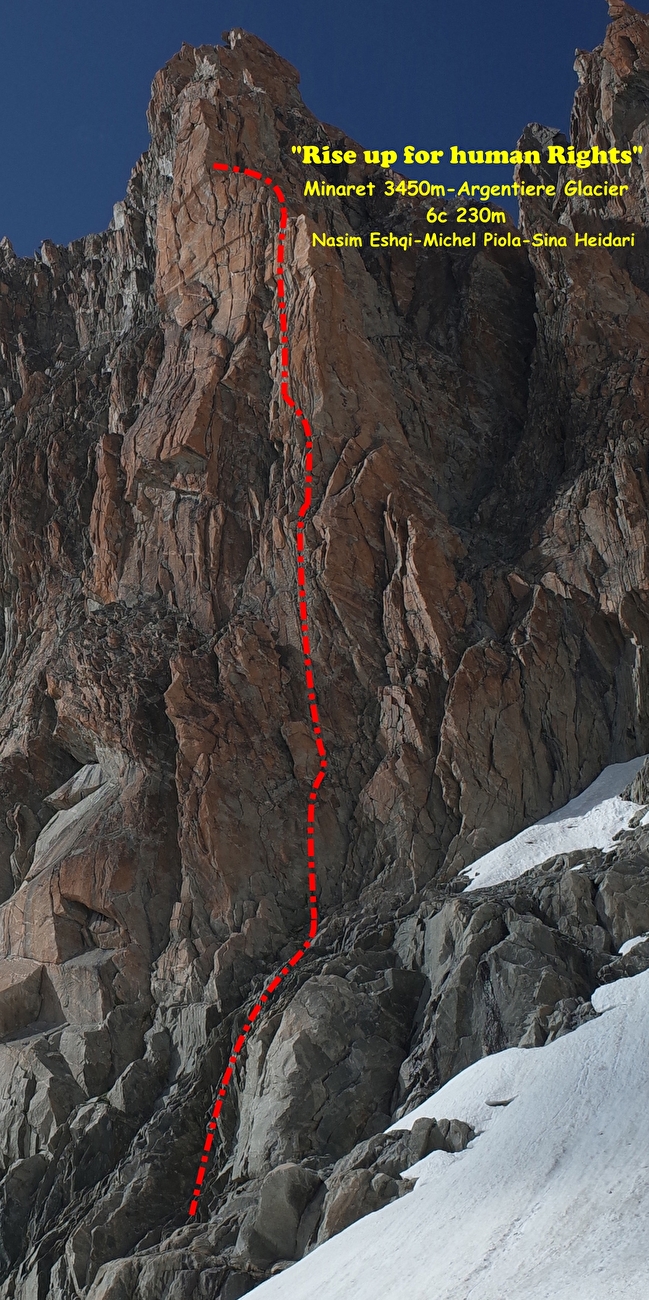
588	822
632	943
550	1202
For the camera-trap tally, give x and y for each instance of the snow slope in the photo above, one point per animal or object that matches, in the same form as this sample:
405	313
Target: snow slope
588	822
550	1202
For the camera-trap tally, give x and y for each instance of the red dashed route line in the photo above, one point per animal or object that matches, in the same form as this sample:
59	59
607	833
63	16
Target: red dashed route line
277	980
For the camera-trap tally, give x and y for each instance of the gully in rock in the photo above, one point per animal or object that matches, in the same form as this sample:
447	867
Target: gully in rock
314	715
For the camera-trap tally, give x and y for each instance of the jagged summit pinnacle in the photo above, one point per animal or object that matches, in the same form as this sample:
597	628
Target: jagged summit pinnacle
620	9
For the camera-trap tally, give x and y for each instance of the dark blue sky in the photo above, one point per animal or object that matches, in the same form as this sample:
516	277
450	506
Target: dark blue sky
75	78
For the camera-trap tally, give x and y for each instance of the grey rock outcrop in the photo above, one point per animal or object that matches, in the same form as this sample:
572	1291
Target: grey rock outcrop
321	1077
270	1229
370	1176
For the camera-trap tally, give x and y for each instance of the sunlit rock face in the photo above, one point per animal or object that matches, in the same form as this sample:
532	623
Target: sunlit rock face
478	592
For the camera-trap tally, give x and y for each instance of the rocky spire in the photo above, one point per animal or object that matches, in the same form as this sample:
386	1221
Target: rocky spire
620	9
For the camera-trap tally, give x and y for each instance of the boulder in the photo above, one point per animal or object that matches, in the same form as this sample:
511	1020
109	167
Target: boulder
270	1230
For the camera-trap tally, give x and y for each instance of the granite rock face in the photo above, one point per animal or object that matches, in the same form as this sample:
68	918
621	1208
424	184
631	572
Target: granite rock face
478	591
